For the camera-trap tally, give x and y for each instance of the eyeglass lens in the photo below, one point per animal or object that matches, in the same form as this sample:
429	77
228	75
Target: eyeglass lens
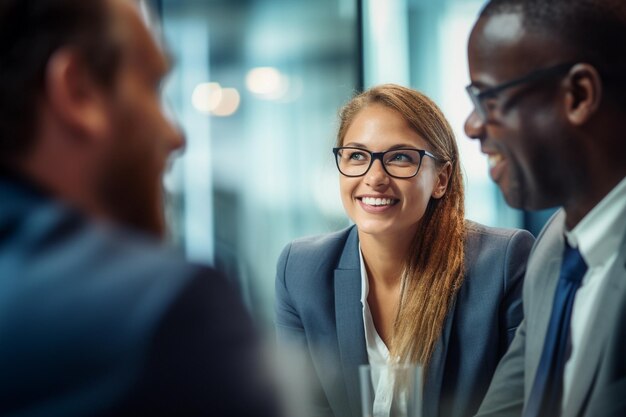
402	163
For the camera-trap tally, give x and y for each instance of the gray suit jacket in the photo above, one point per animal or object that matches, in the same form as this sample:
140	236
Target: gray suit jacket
318	310
599	387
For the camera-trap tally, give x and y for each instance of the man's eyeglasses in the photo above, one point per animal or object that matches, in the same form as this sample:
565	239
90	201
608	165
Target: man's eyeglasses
477	96
397	163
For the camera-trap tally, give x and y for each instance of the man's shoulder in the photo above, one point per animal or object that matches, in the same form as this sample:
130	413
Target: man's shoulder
54	255
97	296
137	254
48	246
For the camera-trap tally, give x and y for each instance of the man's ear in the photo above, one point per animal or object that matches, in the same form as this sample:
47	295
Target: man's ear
443	179
584	94
74	95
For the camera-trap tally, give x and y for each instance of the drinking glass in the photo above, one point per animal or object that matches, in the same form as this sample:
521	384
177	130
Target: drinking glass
391	390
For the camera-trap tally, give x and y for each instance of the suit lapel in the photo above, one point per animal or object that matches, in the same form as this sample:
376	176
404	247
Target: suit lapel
603	321
542	310
349	318
542	275
435	371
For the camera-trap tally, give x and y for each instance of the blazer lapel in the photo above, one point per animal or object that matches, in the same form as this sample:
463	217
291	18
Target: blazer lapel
603	322
435	369
542	276
349	318
541	309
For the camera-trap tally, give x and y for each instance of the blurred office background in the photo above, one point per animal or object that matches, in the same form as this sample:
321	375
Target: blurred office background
257	85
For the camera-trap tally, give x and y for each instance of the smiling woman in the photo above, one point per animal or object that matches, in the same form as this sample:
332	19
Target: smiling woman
412	281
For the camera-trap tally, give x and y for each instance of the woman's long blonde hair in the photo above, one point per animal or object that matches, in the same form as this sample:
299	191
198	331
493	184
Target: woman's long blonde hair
433	269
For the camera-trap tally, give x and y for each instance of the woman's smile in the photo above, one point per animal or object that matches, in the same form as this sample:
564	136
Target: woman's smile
377	204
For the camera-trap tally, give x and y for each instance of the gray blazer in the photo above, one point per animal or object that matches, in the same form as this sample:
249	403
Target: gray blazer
318	310
599	387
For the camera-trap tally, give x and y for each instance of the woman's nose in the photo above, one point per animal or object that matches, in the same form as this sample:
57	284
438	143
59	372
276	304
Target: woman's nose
376	175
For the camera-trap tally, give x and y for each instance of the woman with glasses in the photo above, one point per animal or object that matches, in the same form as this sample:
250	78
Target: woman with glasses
412	280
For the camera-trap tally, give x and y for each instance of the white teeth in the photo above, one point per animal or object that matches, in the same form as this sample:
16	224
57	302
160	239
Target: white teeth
493	159
370	201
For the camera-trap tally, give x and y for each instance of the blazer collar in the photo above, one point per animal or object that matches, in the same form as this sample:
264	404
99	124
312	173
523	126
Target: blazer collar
349	319
349	259
545	262
435	369
542	305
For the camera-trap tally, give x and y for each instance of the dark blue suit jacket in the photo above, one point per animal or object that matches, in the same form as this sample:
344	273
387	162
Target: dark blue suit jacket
318	310
96	321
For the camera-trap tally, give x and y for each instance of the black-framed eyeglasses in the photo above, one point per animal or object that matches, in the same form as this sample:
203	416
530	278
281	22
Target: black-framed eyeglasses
477	96
397	163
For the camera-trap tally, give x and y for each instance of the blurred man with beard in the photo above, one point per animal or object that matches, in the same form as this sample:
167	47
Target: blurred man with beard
96	318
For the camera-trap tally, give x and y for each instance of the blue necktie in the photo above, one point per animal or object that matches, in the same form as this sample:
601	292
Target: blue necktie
546	395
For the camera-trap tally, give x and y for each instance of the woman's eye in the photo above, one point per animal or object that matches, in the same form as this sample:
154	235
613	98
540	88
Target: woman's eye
401	157
357	156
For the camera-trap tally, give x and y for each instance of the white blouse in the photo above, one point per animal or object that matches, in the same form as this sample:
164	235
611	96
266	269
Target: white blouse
378	354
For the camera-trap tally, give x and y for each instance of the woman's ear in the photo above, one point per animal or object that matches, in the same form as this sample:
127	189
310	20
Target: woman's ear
443	179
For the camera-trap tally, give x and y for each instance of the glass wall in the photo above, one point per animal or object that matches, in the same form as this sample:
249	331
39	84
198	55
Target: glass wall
257	86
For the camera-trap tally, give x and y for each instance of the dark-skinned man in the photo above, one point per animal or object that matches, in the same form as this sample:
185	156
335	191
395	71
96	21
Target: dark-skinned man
549	88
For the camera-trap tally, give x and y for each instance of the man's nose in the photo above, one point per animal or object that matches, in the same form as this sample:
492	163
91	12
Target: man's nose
474	126
178	138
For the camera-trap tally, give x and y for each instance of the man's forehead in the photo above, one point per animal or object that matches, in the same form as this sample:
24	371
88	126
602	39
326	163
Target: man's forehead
496	37
502	43
501	28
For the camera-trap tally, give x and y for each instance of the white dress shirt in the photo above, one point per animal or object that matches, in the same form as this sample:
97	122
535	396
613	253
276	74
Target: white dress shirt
597	237
378	354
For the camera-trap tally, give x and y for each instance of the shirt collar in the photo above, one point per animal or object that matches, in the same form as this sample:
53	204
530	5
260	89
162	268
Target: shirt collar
598	235
364	280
